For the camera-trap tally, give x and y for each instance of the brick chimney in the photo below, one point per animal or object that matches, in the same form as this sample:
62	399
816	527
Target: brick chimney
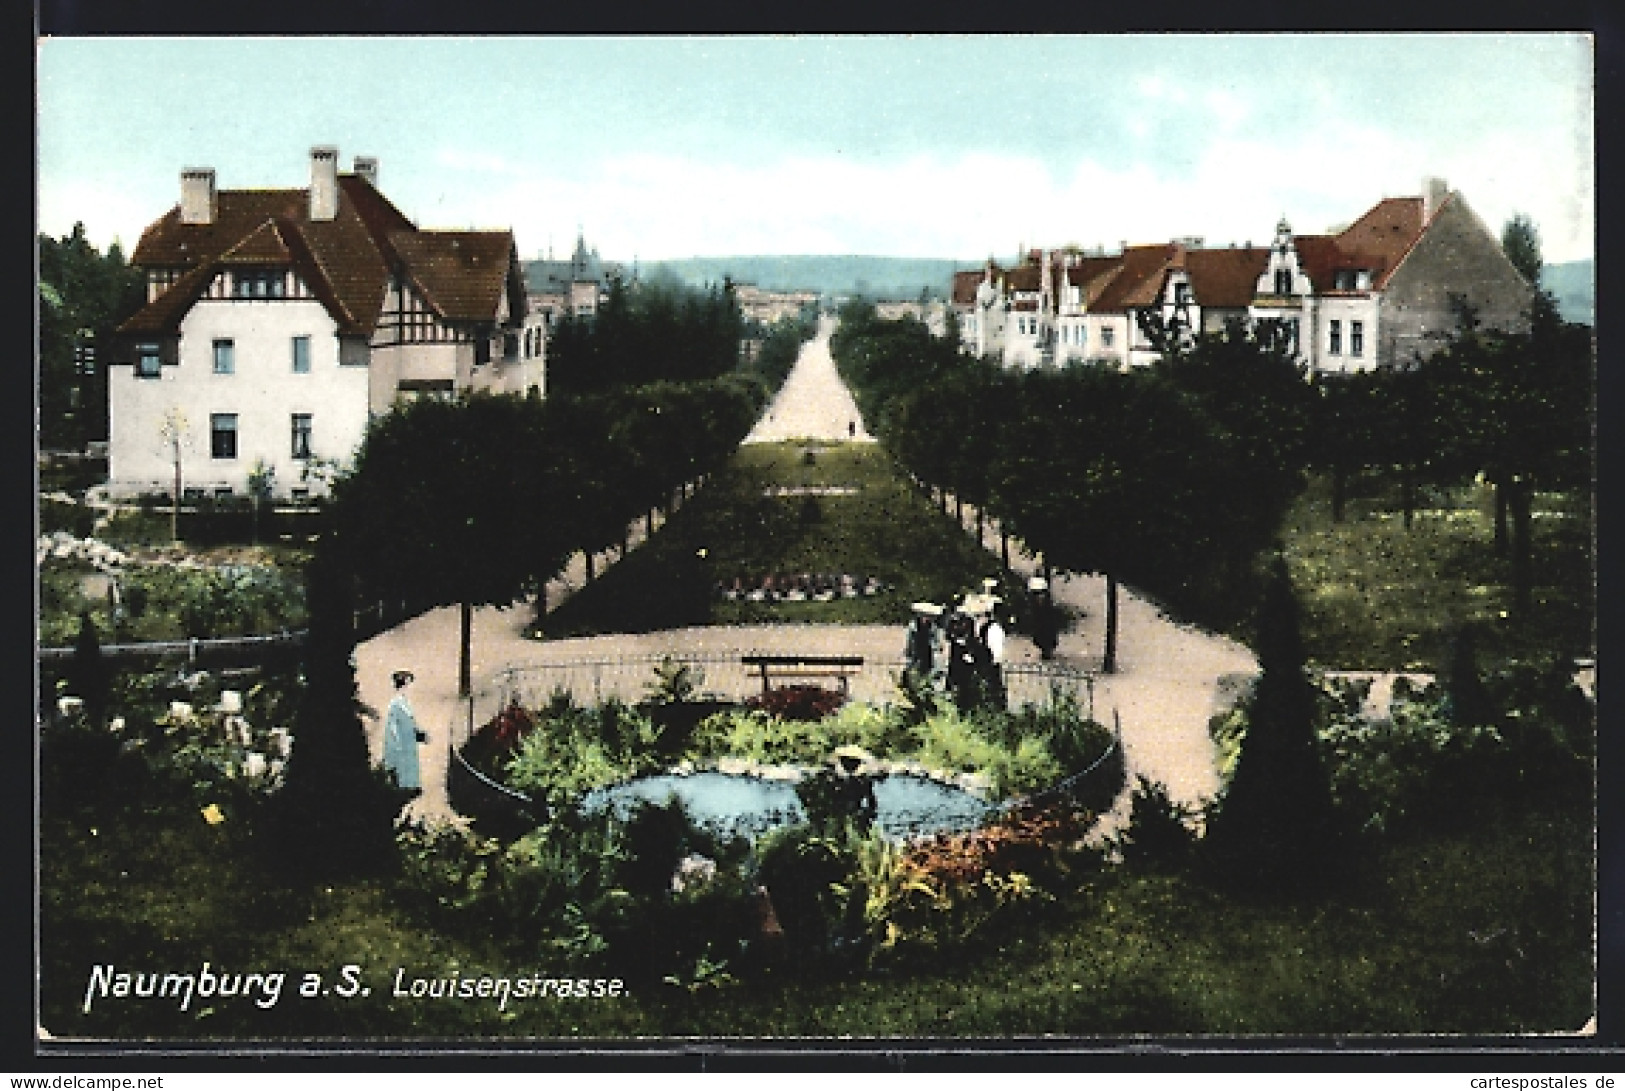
197	195
366	166
1434	191
324	183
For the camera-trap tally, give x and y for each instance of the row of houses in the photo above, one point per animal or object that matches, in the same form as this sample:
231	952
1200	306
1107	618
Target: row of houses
1385	288
278	322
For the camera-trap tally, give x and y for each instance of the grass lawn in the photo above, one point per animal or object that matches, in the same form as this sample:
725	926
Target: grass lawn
1377	596
772	512
1478	926
1482	930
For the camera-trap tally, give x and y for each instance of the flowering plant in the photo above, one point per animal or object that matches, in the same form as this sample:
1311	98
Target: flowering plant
801	702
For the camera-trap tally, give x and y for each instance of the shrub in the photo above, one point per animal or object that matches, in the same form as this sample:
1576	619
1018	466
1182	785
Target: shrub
803	703
1159	834
493	746
835	800
1423	767
803	870
573	750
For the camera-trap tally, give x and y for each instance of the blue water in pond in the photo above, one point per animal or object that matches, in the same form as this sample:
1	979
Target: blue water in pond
737	805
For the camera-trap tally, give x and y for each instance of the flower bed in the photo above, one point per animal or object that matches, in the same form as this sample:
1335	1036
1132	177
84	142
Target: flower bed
800	703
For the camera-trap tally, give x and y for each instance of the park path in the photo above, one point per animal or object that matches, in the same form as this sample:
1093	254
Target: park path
1170	678
813	403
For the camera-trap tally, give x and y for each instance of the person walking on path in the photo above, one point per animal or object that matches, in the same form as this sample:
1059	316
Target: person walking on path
919	648
992	639
1043	623
964	659
402	737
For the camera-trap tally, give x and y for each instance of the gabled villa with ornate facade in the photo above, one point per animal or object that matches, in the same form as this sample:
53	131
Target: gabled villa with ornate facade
1381	291
278	322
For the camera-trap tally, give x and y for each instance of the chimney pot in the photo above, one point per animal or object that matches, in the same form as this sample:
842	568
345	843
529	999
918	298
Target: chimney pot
324	183
366	166
1434	191
197	195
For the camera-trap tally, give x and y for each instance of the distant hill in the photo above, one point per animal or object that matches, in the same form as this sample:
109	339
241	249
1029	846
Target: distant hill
1574	284
873	276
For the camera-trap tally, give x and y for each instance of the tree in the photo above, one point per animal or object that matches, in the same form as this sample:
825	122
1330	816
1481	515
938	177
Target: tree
172	431
83	296
1347	419
452	503
335	813
1119	473
1520	410
1521	244
1274	829
89	675
1259	396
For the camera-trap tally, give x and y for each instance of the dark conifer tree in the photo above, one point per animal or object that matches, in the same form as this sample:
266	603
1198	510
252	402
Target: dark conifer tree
90	677
1274	831
335	812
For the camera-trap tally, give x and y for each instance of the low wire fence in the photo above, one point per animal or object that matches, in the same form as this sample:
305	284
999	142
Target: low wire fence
723	678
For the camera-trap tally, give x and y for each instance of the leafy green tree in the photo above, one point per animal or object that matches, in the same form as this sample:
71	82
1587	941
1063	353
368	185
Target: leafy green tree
453	502
1519	409
1348	419
1119	473
1260	398
645	332
83	295
1520	241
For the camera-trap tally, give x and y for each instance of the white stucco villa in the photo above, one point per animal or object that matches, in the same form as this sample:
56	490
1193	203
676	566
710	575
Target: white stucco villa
280	321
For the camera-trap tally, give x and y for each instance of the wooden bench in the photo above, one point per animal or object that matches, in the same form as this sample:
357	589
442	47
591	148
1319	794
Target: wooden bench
805	666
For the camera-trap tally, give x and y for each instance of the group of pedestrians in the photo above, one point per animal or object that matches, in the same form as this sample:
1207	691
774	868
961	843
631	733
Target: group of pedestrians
961	648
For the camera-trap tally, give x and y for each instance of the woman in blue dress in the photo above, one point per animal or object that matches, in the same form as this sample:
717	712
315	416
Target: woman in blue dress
402	736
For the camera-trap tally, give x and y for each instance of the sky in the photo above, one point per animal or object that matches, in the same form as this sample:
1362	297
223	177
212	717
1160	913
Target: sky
936	146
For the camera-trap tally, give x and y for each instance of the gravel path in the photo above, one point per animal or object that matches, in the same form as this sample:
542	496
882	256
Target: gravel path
813	403
1170	678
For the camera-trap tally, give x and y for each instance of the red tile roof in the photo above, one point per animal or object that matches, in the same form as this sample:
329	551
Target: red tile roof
461	273
964	288
1383	236
265	246
1024	278
346	261
1139	279
1228	277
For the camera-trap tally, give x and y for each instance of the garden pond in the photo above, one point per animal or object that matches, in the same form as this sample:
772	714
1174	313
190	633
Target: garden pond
739	804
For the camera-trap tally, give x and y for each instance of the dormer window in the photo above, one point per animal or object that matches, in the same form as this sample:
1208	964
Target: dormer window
258	284
1352	280
1283	282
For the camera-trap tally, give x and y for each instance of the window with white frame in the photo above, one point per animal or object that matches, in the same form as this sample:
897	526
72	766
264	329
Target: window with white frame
225	357
223	435
258	284
1108	337
1334	337
301	435
301	355
1356	338
147	361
